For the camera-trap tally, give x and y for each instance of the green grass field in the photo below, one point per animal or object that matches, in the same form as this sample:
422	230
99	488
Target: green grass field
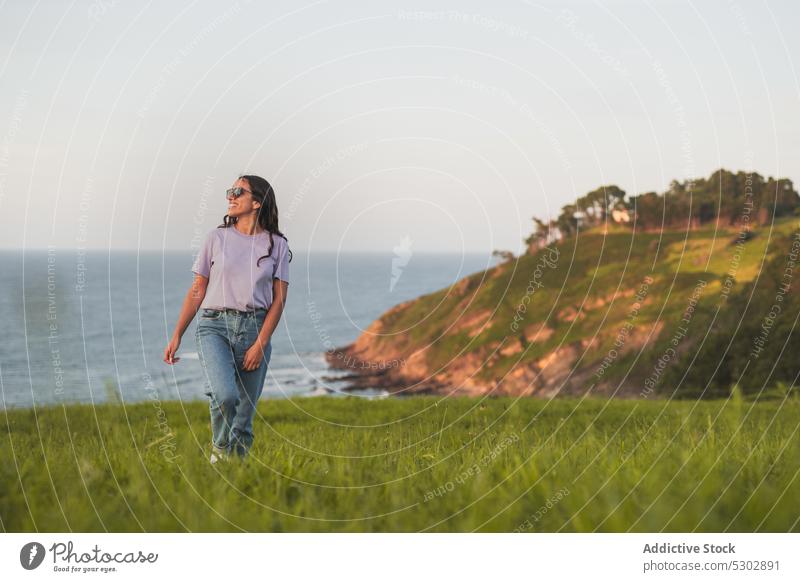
416	464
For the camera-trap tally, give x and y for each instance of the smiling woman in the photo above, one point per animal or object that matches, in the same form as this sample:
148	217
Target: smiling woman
242	293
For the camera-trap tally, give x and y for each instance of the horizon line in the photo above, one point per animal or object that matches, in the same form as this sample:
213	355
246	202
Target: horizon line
179	250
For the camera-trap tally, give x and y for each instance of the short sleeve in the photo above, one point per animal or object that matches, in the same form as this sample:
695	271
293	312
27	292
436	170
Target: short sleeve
282	262
202	263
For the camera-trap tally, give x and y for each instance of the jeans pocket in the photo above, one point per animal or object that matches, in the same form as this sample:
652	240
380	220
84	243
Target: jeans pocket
211	313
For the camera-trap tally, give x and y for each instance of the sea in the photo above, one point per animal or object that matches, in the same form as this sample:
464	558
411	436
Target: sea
91	326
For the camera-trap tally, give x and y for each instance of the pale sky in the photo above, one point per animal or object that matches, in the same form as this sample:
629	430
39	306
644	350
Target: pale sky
122	123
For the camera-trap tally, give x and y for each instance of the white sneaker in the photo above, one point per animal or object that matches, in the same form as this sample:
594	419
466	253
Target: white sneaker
217	455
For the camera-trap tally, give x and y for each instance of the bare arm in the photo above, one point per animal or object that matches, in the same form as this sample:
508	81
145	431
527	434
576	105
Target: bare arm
280	289
191	303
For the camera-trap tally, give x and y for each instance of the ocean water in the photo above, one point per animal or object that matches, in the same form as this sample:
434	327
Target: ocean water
89	326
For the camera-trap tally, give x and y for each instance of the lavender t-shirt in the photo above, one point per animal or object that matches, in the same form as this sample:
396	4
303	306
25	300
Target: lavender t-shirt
228	258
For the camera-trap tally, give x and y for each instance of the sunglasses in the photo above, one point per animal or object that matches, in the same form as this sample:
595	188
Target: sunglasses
235	192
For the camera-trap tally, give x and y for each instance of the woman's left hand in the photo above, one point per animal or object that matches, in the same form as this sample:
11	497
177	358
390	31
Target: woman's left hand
253	356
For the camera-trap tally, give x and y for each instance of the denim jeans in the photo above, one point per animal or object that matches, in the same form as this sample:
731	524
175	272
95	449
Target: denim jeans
223	337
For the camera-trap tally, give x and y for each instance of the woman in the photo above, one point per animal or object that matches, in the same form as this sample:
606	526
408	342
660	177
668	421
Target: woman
241	281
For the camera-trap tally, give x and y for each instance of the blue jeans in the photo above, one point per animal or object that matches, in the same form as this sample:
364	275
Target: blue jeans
223	337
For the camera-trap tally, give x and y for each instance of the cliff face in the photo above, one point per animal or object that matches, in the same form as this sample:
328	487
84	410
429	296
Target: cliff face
393	364
406	371
596	313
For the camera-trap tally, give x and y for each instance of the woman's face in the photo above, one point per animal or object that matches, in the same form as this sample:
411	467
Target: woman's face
244	204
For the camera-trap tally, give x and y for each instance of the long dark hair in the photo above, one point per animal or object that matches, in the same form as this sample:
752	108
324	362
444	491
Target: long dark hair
267	212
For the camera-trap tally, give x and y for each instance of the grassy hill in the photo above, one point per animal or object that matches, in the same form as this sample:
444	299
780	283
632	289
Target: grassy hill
612	313
421	464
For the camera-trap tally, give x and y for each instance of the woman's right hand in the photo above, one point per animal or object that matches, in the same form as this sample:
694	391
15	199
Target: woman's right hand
171	349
